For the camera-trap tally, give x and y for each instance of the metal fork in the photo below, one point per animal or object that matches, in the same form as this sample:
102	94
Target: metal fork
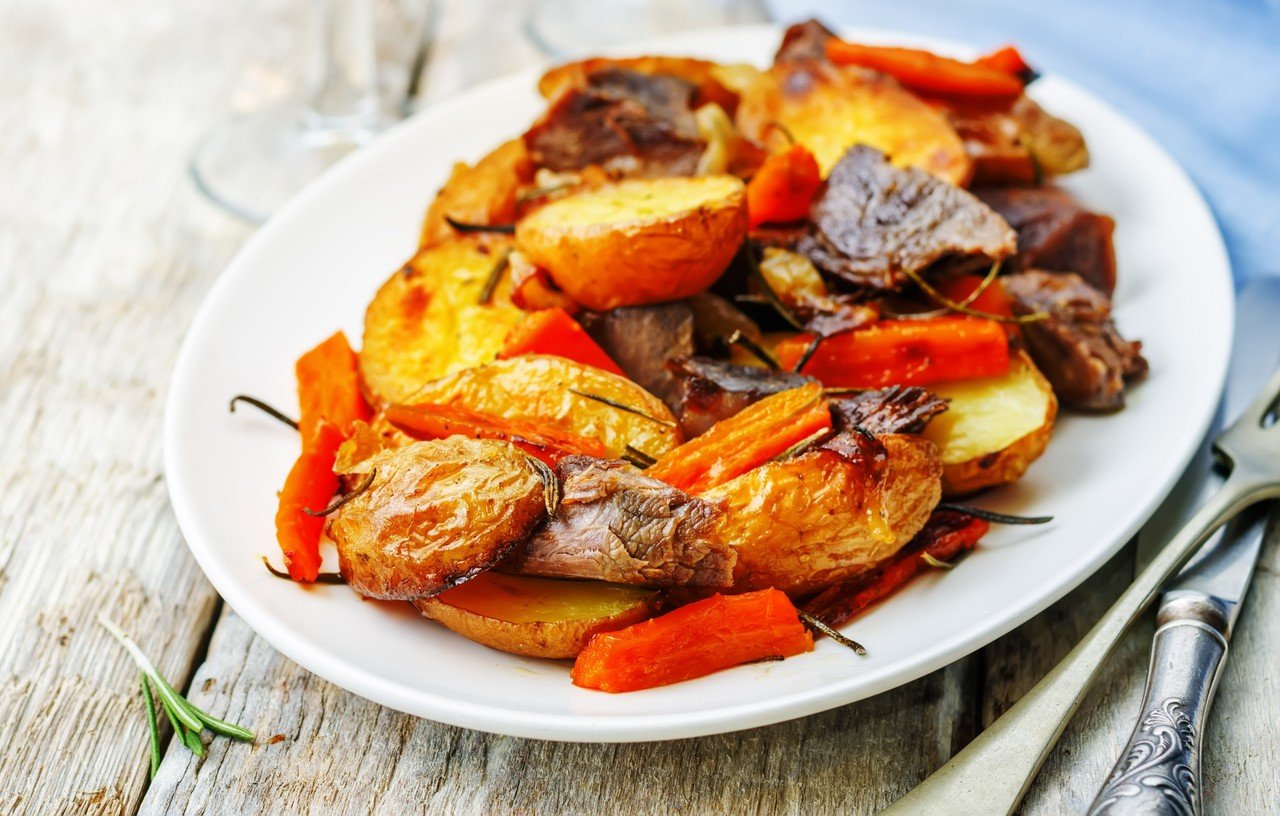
992	773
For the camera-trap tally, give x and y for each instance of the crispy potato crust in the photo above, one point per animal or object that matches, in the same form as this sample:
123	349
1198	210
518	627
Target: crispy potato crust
639	241
426	320
486	193
705	75
802	523
993	428
536	617
437	514
537	387
830	108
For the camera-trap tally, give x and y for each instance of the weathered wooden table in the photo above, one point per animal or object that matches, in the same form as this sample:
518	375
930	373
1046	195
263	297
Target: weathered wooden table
106	251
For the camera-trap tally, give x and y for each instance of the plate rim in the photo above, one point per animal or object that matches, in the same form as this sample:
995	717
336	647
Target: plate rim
638	727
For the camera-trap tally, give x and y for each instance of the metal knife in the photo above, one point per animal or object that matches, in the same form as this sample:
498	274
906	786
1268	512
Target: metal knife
1159	770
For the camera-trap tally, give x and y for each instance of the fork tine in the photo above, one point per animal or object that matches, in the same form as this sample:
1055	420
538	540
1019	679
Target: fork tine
1262	405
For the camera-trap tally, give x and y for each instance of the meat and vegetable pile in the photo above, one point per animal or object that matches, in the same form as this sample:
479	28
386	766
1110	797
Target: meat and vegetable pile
696	366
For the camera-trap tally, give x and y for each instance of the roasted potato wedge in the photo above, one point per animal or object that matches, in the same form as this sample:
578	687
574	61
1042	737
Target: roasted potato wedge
536	617
994	427
436	514
426	321
830	108
484	193
705	75
542	388
639	241
820	517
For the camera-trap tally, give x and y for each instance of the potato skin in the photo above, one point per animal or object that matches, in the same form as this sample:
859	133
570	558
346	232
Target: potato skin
557	638
484	193
830	108
657	240
536	387
426	322
806	522
982	448
437	513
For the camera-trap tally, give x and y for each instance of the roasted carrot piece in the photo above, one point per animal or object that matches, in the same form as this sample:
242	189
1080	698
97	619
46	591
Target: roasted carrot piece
783	188
945	536
744	441
1009	60
695	640
329	388
903	352
310	484
553	331
926	71
428	421
330	401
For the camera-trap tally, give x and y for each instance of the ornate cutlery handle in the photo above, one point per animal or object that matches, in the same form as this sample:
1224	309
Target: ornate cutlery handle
1159	770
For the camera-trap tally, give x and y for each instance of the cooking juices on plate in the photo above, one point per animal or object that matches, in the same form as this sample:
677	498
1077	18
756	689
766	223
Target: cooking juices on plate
692	370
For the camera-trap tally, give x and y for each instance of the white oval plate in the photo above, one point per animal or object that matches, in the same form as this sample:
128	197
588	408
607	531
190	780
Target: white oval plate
313	268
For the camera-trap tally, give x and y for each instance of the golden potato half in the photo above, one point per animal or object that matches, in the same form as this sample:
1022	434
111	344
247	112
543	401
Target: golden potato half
803	523
829	109
536	617
639	241
436	514
994	427
554	391
427	321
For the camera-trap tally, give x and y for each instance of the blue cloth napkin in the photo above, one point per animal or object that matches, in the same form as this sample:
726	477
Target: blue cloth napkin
1202	76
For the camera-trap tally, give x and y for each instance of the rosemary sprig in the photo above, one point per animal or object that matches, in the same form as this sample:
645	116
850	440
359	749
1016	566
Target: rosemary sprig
935	562
963	308
495	275
334	505
809	351
757	274
993	516
321	578
462	226
821	626
803	445
638	457
757	350
551	490
622	406
187	720
264	408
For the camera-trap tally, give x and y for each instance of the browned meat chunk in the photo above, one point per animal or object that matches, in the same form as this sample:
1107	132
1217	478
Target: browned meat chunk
807	40
616	524
1077	347
875	222
893	410
712	390
641	339
627	122
1056	233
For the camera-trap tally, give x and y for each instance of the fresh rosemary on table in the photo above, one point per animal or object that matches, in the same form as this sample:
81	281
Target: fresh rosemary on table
187	720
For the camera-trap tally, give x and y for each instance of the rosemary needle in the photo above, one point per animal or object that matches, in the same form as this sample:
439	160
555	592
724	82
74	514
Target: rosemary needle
152	726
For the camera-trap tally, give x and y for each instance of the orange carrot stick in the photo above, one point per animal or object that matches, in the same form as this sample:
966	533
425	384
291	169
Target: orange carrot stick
744	441
310	484
329	388
1009	60
783	188
903	352
695	640
926	71
428	421
553	331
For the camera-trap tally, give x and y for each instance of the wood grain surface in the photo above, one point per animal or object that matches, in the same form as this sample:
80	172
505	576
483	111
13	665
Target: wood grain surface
106	251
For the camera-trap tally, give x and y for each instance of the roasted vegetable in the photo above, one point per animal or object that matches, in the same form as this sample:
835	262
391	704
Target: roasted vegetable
427	321
562	396
640	241
329	388
695	640
486	193
427	421
829	513
829	108
993	428
746	440
435	515
903	352
536	617
553	331
704	75
928	72
784	187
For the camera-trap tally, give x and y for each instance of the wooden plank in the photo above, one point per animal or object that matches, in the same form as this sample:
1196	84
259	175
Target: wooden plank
337	753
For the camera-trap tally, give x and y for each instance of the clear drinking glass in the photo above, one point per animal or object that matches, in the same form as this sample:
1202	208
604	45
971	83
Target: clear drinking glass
251	163
573	28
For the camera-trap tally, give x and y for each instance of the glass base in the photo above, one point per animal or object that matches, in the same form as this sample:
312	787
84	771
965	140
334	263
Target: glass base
250	164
